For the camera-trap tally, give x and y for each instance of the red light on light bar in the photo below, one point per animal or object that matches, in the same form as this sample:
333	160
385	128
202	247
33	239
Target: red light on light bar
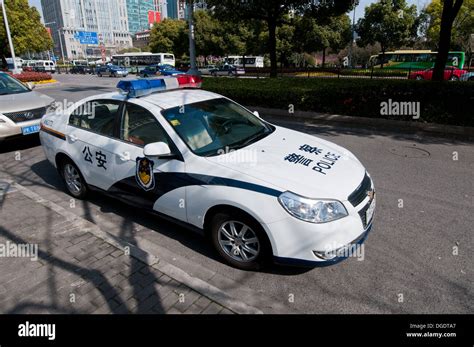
189	81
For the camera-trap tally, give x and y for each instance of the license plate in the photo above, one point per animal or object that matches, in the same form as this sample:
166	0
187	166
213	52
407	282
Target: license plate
30	129
370	211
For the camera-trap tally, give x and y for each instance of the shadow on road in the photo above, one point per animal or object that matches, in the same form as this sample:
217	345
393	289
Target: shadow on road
132	215
19	143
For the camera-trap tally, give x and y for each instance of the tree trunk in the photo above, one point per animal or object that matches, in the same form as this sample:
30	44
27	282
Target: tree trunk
383	57
272	46
447	19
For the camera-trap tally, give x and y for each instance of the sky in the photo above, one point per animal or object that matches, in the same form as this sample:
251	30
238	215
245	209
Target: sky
359	10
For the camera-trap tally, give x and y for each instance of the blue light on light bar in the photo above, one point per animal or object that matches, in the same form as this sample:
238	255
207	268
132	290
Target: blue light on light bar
141	87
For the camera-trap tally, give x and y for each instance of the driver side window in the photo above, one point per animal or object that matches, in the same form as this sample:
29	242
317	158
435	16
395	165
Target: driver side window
140	127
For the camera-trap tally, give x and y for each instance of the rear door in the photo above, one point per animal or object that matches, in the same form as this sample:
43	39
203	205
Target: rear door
91	140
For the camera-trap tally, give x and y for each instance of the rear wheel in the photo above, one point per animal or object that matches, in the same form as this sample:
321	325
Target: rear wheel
240	240
454	78
419	77
73	179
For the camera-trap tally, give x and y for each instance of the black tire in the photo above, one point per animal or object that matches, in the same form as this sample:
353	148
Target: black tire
419	77
65	165
263	247
214	74
454	78
99	74
471	78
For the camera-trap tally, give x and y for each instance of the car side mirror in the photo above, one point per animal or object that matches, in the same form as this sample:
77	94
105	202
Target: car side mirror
30	85
157	149
256	114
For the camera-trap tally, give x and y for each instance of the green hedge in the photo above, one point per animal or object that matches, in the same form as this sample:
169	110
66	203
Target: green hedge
440	102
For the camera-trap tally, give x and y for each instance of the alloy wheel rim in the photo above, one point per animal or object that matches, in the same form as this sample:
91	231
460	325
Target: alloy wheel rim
72	178
238	241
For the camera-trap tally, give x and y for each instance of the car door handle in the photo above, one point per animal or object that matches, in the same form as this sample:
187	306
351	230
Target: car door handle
125	156
73	138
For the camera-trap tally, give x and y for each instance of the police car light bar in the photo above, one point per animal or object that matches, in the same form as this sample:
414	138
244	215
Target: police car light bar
147	86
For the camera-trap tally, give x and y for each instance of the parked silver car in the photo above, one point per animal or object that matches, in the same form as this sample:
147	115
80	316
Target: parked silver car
21	108
206	70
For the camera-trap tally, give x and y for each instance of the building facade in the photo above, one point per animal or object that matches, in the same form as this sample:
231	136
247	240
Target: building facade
67	18
137	11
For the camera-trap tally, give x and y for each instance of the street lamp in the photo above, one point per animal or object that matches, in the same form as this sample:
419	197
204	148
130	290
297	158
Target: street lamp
192	46
10	42
355	2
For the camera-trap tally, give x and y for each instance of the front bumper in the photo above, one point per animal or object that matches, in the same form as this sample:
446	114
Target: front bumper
11	129
343	252
299	243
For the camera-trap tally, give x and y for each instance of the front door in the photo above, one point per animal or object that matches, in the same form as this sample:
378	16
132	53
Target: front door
150	183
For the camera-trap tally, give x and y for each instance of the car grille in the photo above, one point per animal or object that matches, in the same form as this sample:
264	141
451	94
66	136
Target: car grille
361	192
24	116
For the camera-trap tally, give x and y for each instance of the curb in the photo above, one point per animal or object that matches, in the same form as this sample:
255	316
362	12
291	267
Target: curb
387	124
200	286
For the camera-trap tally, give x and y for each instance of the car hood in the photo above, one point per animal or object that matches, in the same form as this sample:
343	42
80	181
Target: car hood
23	101
265	161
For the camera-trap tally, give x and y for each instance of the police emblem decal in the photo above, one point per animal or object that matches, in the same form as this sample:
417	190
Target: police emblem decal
144	173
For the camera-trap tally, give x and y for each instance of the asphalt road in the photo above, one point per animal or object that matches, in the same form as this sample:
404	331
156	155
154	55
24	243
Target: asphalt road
418	257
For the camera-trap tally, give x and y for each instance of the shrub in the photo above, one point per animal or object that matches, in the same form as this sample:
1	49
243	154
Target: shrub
440	102
32	76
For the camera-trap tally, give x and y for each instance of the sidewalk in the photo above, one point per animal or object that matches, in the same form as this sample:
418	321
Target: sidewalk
78	272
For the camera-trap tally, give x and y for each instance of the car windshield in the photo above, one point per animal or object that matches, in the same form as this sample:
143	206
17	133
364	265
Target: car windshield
215	126
9	85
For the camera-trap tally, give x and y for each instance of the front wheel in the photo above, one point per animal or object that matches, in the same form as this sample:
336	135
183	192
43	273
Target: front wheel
239	240
73	180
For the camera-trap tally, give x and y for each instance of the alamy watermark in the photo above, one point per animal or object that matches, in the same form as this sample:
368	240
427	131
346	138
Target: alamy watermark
19	250
243	156
400	108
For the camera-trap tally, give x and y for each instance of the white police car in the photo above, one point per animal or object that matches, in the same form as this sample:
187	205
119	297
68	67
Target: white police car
258	191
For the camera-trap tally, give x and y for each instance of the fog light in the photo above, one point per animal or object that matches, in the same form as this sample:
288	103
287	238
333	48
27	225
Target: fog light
325	255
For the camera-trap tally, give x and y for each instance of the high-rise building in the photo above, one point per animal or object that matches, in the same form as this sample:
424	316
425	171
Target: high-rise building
162	7
137	11
67	18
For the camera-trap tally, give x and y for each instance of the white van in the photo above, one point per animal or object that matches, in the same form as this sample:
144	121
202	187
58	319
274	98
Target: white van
45	66
18	64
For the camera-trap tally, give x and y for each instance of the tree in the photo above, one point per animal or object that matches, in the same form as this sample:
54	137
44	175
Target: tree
27	31
391	23
272	12
170	35
450	11
335	34
462	28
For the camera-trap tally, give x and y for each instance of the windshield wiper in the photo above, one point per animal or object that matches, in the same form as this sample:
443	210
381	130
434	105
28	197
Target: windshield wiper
255	137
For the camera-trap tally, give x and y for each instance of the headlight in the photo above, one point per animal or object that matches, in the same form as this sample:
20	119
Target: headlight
312	210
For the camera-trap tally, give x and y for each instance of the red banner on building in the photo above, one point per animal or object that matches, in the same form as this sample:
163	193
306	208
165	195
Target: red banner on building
153	17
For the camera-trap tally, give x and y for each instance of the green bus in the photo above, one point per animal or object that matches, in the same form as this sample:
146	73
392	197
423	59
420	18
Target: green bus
414	59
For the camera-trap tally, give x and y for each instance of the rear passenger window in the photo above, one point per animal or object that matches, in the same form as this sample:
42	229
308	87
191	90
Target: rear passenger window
97	116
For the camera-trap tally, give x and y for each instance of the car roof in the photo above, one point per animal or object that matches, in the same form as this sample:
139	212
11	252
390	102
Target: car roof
179	97
167	99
